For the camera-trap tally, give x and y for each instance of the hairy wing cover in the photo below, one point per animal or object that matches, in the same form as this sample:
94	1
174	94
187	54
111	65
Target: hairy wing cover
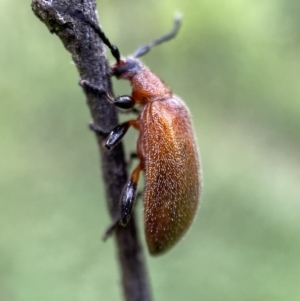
172	172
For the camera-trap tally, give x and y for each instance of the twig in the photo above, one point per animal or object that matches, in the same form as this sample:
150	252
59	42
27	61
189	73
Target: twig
88	54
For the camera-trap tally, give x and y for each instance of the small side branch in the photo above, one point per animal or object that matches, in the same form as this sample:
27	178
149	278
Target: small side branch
88	54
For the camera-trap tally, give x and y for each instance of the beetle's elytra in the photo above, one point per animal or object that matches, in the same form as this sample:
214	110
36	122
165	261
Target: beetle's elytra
166	149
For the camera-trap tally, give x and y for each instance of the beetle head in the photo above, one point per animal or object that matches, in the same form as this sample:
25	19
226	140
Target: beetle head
126	68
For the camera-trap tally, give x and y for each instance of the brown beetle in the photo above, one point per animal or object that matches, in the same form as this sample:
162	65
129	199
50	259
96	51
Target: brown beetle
166	149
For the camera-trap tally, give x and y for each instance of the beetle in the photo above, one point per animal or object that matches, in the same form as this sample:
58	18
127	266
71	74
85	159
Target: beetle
166	148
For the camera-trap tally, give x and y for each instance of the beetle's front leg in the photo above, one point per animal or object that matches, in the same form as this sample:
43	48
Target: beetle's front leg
123	102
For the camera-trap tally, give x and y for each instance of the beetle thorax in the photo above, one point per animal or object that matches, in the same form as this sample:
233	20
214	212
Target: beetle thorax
146	86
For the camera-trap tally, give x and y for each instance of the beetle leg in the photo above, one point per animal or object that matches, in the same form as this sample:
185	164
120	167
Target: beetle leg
132	157
110	230
136	111
118	133
91	88
97	129
139	195
123	102
129	196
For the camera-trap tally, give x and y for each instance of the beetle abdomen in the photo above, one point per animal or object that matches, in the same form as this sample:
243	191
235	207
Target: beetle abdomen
169	155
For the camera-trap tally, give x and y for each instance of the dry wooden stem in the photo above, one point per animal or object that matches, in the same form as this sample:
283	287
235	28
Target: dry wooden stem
88	54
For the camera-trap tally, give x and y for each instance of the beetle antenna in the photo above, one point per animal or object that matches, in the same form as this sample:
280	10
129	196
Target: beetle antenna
170	35
113	48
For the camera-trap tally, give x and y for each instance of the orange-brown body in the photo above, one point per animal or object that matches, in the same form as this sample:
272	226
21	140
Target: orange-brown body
168	154
166	148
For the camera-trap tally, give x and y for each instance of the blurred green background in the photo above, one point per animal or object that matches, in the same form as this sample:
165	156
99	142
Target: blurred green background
237	66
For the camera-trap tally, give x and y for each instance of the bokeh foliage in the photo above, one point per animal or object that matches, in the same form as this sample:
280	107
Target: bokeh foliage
236	64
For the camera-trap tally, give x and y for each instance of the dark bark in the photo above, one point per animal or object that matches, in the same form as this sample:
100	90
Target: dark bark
88	54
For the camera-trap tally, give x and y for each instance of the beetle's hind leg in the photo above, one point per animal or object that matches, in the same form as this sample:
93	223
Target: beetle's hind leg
109	231
129	195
